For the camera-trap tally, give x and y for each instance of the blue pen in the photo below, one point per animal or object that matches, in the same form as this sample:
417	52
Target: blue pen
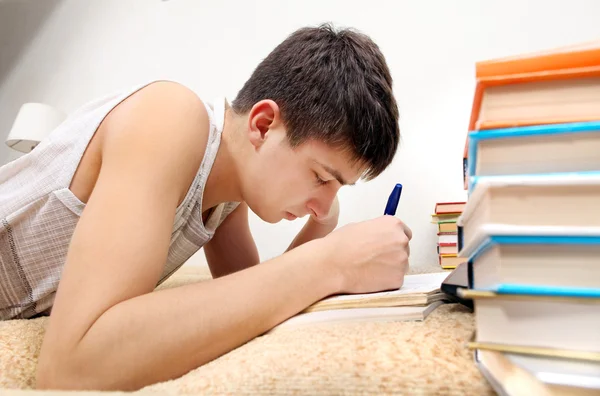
392	203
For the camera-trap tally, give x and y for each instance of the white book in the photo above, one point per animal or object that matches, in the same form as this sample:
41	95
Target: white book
541	203
534	255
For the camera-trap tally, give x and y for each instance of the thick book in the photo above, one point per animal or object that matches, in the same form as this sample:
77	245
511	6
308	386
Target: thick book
560	322
540	149
559	201
540	258
555	86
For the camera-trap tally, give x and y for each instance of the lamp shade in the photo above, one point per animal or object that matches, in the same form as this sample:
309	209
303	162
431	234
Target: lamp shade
33	123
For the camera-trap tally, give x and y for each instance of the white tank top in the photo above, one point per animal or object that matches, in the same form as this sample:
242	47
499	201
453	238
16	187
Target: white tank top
38	212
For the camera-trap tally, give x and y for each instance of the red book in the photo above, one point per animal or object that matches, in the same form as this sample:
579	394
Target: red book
449	207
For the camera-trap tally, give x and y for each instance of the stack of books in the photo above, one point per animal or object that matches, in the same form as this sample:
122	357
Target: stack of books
445	215
530	231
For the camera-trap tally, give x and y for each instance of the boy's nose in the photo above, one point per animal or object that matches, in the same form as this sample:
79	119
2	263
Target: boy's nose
315	211
320	208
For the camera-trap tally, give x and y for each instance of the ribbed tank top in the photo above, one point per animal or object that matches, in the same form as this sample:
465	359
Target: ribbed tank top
38	211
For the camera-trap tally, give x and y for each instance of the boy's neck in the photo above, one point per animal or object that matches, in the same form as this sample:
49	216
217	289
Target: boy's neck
223	182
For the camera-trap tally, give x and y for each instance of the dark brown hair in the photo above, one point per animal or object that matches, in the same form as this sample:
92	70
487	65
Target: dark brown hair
332	86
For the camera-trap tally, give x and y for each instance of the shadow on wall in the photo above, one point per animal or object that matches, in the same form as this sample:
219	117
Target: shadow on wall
20	21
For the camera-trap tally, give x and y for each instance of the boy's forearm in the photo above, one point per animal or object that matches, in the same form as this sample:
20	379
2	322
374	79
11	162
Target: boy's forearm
164	334
312	230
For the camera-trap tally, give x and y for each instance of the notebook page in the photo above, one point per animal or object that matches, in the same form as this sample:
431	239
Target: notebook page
413	284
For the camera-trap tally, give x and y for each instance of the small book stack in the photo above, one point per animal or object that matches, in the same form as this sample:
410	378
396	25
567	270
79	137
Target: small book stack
530	231
445	216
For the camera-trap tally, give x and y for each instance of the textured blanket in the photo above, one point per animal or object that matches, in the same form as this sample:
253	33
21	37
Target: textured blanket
412	358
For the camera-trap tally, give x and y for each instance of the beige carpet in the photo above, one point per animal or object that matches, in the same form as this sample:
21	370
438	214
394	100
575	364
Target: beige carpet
411	358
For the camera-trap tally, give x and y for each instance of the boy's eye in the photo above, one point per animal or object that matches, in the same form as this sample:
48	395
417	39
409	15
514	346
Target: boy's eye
319	180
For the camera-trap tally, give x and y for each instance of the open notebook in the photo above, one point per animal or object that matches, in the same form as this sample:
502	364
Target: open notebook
419	295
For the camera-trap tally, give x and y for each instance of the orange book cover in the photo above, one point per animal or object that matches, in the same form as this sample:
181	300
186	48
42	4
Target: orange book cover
581	60
556	59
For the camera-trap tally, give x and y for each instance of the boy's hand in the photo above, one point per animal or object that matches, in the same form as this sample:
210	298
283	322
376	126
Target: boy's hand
371	255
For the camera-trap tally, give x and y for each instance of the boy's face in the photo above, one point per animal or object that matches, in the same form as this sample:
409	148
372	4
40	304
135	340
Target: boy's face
282	182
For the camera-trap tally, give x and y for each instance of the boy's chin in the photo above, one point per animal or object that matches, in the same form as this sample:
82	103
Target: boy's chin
271	217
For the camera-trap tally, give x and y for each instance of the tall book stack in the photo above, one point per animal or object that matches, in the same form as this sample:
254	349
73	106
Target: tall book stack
445	215
530	231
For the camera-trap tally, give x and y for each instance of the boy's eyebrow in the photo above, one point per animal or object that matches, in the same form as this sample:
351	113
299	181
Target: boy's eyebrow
335	173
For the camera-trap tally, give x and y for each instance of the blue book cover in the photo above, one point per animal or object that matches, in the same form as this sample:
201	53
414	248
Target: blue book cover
524	235
535	130
541	290
500	234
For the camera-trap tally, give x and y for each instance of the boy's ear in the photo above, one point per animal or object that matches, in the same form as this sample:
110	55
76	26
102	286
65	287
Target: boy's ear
263	117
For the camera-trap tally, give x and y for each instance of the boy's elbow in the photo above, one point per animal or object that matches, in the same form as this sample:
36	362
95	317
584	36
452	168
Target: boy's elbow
59	373
53	375
45	381
75	373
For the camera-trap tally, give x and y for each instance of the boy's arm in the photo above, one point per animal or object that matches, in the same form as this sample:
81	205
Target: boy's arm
232	247
108	329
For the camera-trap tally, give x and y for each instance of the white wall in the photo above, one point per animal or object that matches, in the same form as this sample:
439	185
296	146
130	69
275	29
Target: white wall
89	48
